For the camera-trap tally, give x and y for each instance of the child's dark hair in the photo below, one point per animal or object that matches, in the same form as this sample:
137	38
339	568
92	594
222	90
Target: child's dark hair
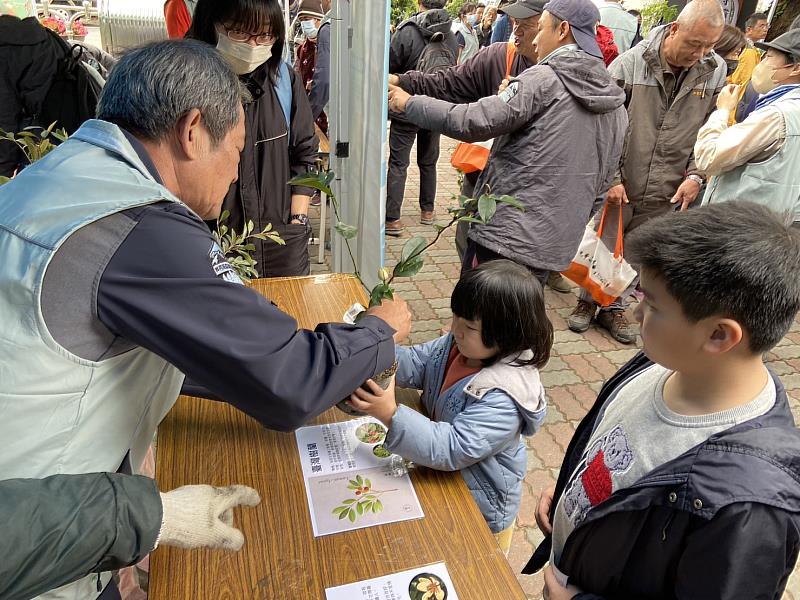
509	302
734	259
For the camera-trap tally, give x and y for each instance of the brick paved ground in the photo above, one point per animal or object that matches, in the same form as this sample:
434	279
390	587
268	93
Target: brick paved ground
579	363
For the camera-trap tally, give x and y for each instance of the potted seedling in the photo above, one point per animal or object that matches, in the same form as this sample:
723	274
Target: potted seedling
471	210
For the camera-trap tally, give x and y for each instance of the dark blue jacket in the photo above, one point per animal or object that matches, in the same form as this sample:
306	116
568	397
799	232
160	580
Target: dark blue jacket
721	521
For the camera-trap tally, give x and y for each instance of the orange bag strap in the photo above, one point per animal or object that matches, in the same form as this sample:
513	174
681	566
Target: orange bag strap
618	247
510	53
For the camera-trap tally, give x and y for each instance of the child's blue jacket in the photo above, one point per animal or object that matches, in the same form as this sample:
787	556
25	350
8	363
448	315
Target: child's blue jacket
474	426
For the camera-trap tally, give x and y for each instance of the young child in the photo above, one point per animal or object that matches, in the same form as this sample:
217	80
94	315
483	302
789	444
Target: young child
480	385
683	480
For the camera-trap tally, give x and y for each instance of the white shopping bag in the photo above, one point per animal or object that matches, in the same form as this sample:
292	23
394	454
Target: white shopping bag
603	274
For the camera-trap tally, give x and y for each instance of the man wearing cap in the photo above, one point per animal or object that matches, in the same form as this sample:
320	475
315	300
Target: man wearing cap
480	76
671	81
759	158
540	124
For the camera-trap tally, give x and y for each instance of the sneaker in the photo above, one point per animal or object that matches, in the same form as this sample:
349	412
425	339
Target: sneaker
581	317
426	217
558	284
617	325
394	228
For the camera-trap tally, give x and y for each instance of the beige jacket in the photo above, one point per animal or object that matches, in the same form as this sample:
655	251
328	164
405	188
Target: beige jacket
658	151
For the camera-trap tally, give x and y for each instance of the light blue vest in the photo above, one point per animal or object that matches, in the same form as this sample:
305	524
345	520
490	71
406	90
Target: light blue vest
775	182
61	413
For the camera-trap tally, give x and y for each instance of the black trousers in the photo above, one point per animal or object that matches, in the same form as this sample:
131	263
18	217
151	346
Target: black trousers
401	138
476	254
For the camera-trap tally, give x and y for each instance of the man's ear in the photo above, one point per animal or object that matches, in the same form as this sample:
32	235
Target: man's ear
563	31
725	335
191	134
673	29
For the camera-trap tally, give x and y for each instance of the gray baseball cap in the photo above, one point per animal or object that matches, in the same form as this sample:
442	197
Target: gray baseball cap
582	16
788	42
523	9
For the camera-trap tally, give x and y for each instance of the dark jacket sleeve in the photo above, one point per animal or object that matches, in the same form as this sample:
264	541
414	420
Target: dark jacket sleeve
159	291
468	82
303	143
320	85
59	529
748	550
489	117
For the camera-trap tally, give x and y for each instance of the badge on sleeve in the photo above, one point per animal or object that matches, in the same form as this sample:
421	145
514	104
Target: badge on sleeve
222	268
512	90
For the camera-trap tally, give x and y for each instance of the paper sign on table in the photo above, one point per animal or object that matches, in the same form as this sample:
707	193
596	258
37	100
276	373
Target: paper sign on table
349	480
413	584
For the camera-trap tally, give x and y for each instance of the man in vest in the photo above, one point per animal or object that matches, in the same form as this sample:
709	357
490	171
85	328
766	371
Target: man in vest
112	288
759	158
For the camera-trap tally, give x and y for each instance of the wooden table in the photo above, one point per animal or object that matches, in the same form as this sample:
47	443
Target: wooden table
209	442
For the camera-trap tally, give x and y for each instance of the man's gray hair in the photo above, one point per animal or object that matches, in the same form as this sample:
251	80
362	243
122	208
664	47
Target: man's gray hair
709	11
153	86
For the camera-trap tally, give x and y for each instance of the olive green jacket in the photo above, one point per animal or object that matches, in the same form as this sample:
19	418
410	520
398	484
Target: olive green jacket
658	151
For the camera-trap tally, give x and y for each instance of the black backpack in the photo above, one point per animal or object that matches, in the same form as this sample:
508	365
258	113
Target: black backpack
75	91
436	56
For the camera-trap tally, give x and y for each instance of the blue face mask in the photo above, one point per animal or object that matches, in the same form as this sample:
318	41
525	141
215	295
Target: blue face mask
310	29
472	19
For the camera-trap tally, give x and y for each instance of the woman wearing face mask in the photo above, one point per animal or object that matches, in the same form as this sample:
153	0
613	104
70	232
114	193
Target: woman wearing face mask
311	16
466	36
280	139
758	159
729	46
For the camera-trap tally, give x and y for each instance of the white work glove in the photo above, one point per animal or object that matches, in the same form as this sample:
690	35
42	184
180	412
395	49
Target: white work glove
202	516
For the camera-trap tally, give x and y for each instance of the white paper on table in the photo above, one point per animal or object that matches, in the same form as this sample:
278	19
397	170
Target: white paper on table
397	586
333	457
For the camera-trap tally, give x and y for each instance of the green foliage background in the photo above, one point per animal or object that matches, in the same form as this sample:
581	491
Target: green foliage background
402	9
656	13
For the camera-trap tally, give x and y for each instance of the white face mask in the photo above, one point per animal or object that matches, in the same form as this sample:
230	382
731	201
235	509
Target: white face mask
241	56
762	78
310	29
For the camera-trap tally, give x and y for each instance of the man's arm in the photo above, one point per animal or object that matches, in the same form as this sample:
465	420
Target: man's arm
490	116
720	148
320	84
303	143
468	82
160	291
62	528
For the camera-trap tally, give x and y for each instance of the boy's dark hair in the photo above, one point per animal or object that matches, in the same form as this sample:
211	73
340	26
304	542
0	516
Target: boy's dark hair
735	259
509	301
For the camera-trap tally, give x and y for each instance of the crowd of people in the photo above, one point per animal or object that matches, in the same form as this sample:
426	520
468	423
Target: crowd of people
680	481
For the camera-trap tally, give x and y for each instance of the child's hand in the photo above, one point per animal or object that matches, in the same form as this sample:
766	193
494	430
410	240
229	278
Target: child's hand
378	403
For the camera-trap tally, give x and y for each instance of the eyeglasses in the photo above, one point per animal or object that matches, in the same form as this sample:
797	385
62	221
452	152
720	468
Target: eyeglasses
262	39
